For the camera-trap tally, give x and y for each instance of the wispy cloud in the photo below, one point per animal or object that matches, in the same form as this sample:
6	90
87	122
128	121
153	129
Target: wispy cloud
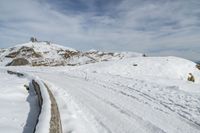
164	27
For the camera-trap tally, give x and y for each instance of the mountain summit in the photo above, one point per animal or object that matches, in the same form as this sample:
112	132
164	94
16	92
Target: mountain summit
44	53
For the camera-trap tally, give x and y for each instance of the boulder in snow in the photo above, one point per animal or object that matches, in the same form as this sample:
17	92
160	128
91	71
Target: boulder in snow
191	77
198	66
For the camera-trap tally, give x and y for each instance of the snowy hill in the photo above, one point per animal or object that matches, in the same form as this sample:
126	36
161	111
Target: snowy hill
48	54
122	93
16	105
172	68
132	95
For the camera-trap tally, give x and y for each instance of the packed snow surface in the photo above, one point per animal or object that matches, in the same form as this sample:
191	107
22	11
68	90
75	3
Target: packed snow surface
134	95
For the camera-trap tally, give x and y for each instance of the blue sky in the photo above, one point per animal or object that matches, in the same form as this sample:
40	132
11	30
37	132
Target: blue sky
155	27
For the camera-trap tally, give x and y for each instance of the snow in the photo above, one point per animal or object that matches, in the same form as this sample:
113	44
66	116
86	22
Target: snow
18	106
43	53
155	67
93	50
73	119
43	46
112	93
140	94
131	54
120	108
43	124
48	52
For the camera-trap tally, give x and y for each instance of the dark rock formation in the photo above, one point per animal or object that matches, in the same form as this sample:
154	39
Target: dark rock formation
24	51
191	77
18	62
15	73
12	55
67	53
198	66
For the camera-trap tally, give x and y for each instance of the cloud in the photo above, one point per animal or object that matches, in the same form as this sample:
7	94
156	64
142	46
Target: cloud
154	27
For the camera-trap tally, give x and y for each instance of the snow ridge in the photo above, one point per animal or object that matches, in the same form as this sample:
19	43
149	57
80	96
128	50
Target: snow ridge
49	54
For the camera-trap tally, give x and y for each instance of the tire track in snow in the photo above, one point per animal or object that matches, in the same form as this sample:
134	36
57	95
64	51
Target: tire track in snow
138	97
169	105
147	125
80	91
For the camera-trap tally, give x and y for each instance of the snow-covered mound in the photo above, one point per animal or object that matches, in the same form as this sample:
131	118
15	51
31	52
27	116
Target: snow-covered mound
48	54
157	67
16	103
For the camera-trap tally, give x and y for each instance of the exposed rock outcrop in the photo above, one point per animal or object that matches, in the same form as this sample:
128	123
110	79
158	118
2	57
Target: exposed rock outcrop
24	51
198	66
191	77
18	62
43	53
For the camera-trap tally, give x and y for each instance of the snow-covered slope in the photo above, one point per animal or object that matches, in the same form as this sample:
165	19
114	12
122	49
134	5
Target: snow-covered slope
122	93
172	68
134	95
19	108
48	54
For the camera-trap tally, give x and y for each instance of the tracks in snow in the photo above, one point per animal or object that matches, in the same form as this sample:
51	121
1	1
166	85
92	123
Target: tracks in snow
131	105
163	98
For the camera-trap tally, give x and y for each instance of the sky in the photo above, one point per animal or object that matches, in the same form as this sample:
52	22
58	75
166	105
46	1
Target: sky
154	27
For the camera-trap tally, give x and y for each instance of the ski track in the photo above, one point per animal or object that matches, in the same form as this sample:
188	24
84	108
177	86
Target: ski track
119	104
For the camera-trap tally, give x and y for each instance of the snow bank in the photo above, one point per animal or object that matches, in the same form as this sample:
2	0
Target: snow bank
43	124
74	120
16	103
160	67
49	117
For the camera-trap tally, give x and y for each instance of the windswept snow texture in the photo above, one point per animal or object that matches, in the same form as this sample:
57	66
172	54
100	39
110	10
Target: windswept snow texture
18	107
135	95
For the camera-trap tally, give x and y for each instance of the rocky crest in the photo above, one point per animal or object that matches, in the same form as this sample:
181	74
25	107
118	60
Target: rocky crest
43	53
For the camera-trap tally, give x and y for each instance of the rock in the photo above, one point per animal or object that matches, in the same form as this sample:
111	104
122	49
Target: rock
67	53
12	55
15	73
191	77
27	87
198	66
18	62
25	52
